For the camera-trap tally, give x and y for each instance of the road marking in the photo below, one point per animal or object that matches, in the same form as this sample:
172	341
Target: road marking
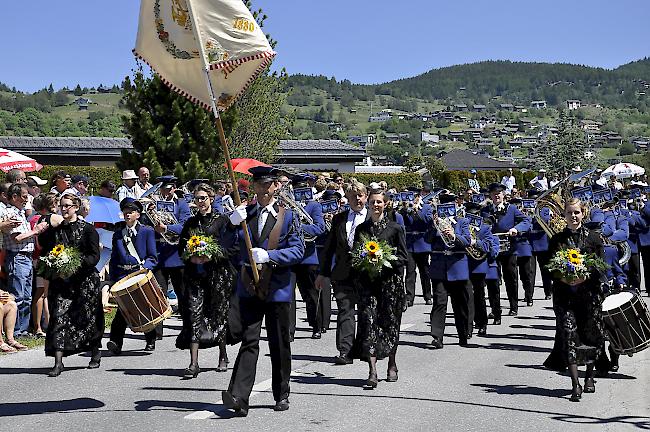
261	387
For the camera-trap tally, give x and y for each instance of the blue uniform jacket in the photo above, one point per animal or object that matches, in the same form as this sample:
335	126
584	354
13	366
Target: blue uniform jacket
644	233
513	218
315	210
217	206
168	253
417	224
537	235
450	263
290	250
616	229
122	262
637	225
486	242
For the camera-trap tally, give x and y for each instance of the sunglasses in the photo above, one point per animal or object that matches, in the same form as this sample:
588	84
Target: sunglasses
201	198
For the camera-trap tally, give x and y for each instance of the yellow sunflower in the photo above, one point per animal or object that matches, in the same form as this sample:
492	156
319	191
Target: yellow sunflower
57	250
574	256
194	241
372	246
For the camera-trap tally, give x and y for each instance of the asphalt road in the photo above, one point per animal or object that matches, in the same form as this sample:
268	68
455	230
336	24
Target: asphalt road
495	384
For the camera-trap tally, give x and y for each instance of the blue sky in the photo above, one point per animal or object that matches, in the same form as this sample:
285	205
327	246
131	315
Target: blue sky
89	42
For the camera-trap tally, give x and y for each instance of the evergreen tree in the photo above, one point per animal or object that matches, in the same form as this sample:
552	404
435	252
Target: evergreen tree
567	149
78	91
171	134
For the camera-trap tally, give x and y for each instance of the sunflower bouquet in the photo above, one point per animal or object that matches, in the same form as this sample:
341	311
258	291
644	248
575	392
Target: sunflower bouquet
62	261
203	246
573	267
372	255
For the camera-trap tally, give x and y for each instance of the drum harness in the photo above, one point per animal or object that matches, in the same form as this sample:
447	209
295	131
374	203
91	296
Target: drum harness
128	242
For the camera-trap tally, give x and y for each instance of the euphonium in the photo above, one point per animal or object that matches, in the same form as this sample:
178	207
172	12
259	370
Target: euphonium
287	200
155	217
474	251
442	224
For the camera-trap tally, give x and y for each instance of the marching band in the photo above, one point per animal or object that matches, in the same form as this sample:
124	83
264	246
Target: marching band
460	246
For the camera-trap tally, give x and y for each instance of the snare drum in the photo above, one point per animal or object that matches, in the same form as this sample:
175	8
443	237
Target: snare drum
627	322
141	301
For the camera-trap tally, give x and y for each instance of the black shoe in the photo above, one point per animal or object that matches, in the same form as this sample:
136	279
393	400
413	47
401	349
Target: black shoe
497	321
342	360
576	394
323	330
95	360
548	297
316	335
428	302
590	386
436	343
462	342
529	303
56	370
150	346
223	365
234	403
372	381
482	331
613	368
192	371
490	315
113	347
469	335
281	405
512	312
410	303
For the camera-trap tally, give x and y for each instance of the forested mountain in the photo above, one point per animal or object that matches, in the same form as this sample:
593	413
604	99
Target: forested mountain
516	82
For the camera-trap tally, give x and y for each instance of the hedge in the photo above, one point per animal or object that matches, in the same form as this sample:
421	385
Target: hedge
457	180
396	180
96	175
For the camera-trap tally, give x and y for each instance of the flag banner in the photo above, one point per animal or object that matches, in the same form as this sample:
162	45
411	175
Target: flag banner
235	47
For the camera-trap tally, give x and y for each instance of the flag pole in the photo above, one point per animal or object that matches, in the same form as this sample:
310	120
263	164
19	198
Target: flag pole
223	141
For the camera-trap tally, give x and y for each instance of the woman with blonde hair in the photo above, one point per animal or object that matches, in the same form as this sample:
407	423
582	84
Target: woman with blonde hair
577	305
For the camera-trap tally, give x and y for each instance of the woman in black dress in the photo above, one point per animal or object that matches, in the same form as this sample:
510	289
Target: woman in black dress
381	299
76	316
578	305
209	283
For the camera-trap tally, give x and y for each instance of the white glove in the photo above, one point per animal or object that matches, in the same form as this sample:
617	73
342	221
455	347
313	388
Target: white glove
260	256
238	215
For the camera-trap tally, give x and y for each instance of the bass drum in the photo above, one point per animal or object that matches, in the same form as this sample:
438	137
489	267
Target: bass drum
627	322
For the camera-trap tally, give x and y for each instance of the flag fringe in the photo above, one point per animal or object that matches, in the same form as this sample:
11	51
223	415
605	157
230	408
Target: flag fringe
266	56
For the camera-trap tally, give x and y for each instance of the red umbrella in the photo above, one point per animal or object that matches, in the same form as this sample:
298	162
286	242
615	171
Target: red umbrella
12	160
242	165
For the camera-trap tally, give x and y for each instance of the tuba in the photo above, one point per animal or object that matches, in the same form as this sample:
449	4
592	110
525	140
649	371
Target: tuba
285	197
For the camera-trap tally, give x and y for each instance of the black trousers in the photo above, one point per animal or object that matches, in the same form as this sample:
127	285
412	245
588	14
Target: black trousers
458	291
277	319
346	297
478	313
175	275
118	328
324	310
527	276
419	260
634	271
494	296
305	280
508	265
645	255
542	259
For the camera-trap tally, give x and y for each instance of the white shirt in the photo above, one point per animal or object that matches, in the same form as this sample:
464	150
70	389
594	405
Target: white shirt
509	182
357	218
602	181
539	183
263	213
